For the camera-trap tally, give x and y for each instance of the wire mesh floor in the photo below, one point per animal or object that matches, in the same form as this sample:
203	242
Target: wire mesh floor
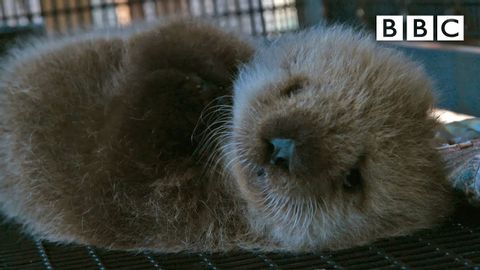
455	245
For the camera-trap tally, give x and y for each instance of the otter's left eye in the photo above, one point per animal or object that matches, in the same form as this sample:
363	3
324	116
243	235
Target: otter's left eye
353	180
293	87
261	172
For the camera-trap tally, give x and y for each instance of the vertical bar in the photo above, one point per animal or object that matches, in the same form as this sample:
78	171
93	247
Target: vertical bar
268	15
171	5
293	17
184	8
124	13
215	7
87	13
160	7
9	13
93	254
43	15
54	14
155	7
61	15
15	13
275	17
262	16
35	10
136	10
190	8
80	10
149	10
26	18
28	11
43	254
230	12
73	15
103	12
112	14
202	8
251	14
284	16
4	15
69	14
176	8
209	8
238	14
46	7
221	7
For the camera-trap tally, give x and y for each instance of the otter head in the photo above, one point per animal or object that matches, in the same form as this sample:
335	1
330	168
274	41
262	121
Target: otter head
331	142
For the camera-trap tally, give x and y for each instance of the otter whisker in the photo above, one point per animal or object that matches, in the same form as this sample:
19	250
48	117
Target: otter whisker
212	145
209	134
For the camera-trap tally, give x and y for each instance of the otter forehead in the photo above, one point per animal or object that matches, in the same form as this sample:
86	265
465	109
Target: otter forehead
314	53
337	62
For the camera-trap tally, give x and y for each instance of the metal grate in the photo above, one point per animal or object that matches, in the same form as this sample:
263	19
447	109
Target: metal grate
257	17
455	245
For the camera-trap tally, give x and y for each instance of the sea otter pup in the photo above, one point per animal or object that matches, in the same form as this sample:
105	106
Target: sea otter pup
132	142
332	144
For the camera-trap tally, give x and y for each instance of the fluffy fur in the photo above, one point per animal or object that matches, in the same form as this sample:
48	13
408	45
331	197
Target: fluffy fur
349	105
96	140
130	141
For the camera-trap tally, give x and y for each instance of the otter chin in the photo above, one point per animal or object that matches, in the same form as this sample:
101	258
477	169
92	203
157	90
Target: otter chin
331	142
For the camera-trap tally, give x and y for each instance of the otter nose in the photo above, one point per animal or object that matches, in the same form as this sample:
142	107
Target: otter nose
282	152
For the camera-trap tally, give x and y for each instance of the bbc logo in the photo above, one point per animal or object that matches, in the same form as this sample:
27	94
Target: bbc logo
420	28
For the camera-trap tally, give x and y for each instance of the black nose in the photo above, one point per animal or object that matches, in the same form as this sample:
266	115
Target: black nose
282	152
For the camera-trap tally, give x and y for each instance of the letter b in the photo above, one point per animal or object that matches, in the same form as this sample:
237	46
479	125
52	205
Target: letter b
389	24
389	28
420	28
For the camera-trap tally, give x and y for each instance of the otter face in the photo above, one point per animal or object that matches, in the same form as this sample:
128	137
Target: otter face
331	142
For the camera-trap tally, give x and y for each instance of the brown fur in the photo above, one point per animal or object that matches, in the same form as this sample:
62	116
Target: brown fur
96	135
347	103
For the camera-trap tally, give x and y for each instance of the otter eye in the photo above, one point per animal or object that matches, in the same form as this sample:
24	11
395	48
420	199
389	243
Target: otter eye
292	88
261	172
353	180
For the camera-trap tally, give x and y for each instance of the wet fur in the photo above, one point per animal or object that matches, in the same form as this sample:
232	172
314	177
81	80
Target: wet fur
130	141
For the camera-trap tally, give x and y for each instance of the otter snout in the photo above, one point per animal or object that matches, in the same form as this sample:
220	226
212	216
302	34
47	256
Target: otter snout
281	152
284	143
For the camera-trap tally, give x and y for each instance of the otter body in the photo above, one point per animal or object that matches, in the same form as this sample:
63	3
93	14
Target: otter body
97	138
327	144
